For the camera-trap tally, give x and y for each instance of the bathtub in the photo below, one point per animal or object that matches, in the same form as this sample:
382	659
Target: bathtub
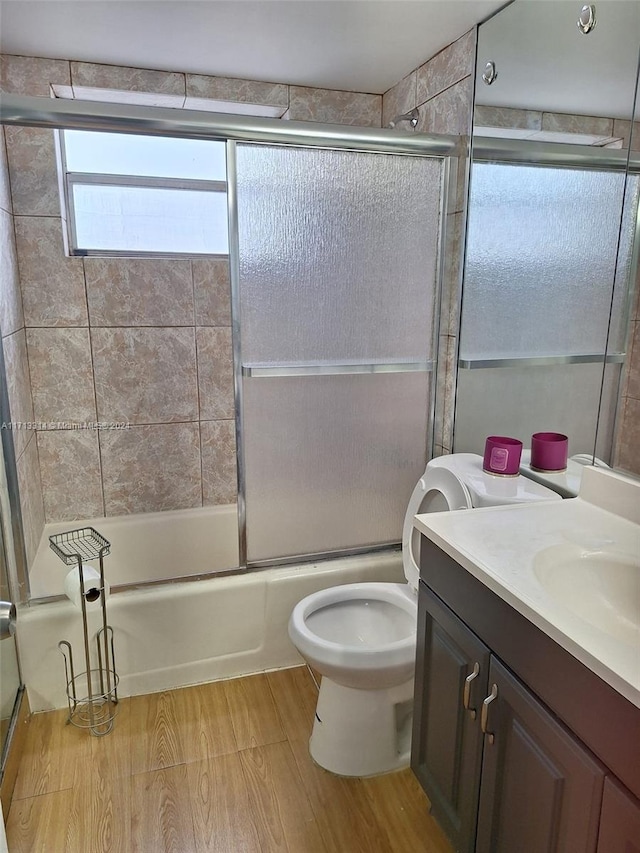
176	633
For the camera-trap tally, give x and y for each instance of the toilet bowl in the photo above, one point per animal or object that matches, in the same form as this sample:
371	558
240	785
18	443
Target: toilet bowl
361	637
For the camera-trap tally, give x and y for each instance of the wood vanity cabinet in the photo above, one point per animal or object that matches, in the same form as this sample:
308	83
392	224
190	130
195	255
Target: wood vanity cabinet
540	789
525	785
503	770
619	821
451	682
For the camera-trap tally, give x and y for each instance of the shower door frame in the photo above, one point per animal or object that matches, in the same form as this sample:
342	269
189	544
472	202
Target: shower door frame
61	114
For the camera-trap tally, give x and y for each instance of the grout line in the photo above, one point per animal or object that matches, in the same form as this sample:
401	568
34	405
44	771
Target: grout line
442	91
95	392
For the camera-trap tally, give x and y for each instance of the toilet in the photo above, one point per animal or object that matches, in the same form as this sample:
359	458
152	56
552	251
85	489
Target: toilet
361	637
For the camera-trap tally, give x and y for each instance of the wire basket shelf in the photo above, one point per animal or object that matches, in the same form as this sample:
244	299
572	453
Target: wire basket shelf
96	712
85	544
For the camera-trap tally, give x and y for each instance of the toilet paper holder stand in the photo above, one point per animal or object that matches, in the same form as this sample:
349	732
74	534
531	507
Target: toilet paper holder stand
92	695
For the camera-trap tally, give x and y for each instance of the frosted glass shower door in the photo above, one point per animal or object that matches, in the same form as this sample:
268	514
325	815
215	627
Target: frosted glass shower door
337	292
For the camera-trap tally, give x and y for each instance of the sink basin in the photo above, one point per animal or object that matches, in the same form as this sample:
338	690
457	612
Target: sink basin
601	587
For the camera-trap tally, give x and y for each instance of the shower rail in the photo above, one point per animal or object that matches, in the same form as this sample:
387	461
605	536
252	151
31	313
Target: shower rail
535	153
30	111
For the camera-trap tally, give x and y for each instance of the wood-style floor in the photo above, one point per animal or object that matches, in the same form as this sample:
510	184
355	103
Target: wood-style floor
219	767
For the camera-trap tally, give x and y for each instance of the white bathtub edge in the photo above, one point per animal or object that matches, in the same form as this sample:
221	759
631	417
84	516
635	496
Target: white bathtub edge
174	635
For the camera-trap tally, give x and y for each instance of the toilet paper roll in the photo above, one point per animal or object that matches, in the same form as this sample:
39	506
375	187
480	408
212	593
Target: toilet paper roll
90	587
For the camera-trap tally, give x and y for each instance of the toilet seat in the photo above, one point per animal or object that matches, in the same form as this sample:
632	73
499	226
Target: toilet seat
436	481
395	656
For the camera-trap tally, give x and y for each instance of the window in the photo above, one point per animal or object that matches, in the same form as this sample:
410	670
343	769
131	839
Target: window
133	195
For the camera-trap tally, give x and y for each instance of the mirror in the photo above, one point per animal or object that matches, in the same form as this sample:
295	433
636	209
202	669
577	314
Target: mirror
626	447
551	228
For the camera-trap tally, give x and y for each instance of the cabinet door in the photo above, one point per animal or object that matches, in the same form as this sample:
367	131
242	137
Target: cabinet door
447	742
541	790
620	820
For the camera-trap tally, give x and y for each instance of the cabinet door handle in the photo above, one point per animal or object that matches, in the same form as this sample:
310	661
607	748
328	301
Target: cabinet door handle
466	696
484	717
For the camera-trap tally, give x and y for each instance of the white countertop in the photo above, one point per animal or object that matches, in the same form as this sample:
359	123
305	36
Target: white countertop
501	547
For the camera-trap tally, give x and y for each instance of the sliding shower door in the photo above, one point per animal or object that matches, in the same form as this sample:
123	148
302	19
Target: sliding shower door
545	247
336	295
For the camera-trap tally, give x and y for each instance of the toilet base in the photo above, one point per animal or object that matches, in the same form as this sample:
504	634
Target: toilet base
362	732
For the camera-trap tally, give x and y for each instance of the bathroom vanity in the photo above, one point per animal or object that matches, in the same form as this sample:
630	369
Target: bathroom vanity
527	718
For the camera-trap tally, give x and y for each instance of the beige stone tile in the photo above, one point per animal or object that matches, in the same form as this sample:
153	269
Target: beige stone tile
219	473
145	375
238	91
145	292
70	473
622	129
449	401
11	315
31	505
119	78
507	117
628	445
633	370
31	152
458	203
399	99
61	375
333	107
215	373
151	468
53	292
452	275
5	188
449	112
28	75
565	123
18	387
446	68
444	381
212	292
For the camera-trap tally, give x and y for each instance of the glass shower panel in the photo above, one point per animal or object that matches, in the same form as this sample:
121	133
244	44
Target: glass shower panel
331	461
519	401
337	274
541	256
338	255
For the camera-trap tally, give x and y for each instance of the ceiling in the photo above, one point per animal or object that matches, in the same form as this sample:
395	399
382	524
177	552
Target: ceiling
545	63
355	45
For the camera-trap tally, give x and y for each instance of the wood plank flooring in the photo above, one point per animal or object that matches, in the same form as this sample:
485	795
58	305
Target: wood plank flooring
217	768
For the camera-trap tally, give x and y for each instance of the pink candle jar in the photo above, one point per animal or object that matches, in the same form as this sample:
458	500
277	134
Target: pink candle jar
502	455
549	451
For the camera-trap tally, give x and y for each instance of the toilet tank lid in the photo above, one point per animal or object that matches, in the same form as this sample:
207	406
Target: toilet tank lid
491	489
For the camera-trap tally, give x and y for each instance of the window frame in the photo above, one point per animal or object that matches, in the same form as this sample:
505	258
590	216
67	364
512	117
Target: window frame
71	179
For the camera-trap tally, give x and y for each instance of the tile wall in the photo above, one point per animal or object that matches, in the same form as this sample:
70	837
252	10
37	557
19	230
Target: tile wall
442	90
561	127
627	451
34	76
14	345
143	342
